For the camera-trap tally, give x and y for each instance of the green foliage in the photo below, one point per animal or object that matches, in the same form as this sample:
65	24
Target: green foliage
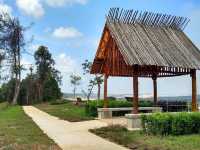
159	123
48	77
75	79
113	132
66	111
29	90
168	123
58	102
138	140
87	65
19	132
43	85
51	90
6	91
92	106
44	62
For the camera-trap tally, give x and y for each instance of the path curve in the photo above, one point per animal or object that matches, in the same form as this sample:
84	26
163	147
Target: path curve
71	136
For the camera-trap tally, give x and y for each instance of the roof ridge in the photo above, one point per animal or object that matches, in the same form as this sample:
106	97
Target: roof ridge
147	18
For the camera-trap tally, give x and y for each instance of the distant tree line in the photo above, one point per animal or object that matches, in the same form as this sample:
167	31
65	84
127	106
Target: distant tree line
41	85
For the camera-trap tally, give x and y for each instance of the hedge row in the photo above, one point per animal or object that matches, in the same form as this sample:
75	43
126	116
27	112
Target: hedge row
171	123
92	106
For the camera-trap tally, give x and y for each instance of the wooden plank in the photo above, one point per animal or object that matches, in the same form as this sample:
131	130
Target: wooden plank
135	93
155	96
194	91
105	91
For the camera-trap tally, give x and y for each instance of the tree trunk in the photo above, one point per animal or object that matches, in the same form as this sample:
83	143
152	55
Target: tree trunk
16	94
74	92
17	67
40	91
88	98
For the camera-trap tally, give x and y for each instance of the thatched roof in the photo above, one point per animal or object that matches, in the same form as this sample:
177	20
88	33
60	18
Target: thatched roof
152	39
154	42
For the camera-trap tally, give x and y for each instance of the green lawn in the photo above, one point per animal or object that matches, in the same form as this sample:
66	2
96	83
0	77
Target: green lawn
19	132
66	111
139	141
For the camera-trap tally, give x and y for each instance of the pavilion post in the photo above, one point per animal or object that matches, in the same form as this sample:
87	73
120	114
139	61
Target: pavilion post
194	91
105	91
155	96
135	95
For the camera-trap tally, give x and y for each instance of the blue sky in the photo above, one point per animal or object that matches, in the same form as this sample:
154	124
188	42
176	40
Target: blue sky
72	29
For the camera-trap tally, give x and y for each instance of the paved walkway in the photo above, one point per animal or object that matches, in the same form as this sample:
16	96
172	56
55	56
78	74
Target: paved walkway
71	136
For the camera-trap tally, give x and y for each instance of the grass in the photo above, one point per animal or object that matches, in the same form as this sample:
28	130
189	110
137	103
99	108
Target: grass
66	111
140	141
18	131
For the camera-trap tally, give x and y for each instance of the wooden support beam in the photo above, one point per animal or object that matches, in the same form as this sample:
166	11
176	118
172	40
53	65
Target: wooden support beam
194	91
155	97
135	93
105	91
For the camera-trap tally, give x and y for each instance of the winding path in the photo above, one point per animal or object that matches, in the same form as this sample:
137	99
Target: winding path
71	136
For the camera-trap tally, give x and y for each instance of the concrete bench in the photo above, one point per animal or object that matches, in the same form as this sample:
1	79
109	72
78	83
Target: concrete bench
108	112
134	121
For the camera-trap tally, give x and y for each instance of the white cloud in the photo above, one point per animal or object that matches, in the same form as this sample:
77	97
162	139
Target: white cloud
31	7
66	32
61	3
5	9
65	64
35	8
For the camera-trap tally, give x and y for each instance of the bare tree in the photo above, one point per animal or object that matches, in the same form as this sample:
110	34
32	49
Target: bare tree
89	90
12	41
97	80
75	81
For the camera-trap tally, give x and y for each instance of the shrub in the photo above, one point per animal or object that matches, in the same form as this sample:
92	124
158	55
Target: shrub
168	123
92	106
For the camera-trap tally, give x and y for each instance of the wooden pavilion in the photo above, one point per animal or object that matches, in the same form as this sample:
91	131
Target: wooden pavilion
145	44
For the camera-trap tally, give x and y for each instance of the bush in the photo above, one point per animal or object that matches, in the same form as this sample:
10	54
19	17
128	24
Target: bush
168	123
51	90
92	106
157	124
